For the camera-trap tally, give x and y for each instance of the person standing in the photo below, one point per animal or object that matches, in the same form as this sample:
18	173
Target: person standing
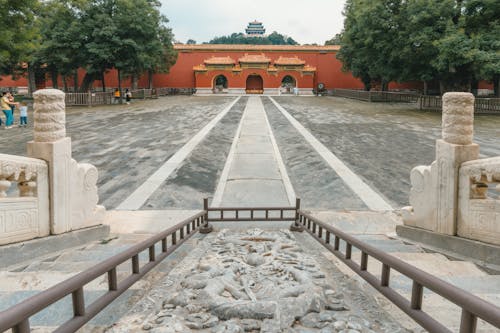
6	108
23	115
12	106
117	96
128	96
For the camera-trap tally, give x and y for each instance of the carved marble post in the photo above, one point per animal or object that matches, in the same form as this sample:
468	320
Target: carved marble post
51	144
455	148
434	191
73	190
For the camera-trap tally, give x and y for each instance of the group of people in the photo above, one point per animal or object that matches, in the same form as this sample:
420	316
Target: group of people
128	96
9	105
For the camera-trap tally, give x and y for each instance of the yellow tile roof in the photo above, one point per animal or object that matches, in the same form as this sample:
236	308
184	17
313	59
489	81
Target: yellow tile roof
219	61
254	58
289	61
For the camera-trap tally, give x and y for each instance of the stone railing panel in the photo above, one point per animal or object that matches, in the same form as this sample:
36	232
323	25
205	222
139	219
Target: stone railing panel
24	212
433	195
479	200
85	211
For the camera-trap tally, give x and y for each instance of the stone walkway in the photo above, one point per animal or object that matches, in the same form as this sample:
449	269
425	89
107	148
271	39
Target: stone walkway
254	174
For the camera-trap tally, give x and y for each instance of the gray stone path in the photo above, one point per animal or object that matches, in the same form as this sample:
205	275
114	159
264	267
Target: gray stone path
254	174
198	176
379	142
141	194
318	185
382	142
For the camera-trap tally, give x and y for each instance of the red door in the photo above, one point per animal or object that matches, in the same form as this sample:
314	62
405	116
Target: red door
255	84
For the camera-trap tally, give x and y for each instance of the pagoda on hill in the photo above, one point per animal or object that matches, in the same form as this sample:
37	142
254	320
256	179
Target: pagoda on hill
255	29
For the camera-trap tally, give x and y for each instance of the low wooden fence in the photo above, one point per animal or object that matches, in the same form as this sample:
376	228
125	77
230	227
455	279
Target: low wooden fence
482	105
377	96
103	98
90	98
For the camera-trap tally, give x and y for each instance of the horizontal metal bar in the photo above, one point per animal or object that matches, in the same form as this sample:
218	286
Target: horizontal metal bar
271	209
10	317
242	219
98	305
401	302
475	305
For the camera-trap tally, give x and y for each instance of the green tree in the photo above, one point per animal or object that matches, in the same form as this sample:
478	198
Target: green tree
191	41
335	40
482	21
62	42
370	40
20	34
128	35
425	21
274	38
453	41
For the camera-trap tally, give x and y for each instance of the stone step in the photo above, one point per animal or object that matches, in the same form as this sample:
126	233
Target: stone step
40	275
489	284
387	245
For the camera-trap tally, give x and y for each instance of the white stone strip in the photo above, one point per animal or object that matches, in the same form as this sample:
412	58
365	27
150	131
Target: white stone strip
371	198
221	185
146	189
290	192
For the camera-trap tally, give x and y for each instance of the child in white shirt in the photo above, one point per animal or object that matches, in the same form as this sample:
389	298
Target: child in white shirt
23	115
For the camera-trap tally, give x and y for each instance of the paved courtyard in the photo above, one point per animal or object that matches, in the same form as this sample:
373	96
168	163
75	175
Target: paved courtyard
378	143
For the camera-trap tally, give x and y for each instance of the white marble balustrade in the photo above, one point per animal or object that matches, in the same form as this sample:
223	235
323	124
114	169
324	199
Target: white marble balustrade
24	213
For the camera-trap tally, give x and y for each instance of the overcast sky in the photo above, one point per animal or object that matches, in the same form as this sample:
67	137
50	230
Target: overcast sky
312	21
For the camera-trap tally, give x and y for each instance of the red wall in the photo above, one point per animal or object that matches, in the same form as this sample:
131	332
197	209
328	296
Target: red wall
7	81
181	75
328	70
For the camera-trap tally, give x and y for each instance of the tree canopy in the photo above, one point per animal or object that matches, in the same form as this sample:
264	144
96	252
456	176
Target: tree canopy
19	33
240	38
60	36
453	41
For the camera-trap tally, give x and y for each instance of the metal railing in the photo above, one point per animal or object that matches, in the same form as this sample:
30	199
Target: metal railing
472	306
18	316
244	214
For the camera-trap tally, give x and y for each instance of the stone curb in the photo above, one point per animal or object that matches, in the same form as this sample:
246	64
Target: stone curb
480	253
19	252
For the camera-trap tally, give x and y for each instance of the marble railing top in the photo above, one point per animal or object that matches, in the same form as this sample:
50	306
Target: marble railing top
13	166
488	167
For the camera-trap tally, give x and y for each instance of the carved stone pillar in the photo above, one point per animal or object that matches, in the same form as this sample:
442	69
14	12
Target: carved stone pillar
51	144
434	192
455	148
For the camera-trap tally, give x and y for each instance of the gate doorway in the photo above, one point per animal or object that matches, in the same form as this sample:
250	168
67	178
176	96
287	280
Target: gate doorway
220	84
255	84
288	84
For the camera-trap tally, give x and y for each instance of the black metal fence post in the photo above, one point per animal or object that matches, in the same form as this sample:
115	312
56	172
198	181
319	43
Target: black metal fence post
296	226
206	228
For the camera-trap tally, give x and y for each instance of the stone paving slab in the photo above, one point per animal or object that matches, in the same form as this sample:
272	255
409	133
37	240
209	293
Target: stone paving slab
255	193
254	144
250	166
250	179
